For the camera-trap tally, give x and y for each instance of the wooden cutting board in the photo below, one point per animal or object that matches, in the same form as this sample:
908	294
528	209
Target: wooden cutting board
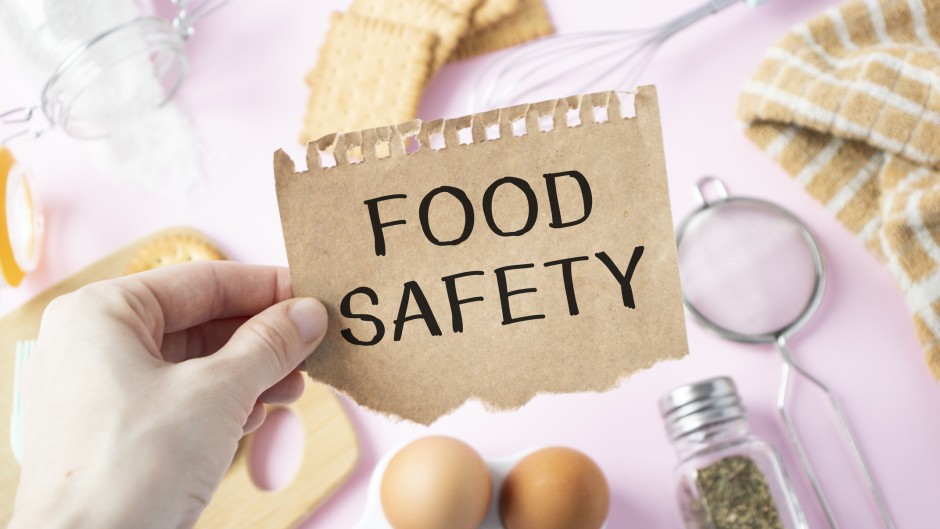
330	447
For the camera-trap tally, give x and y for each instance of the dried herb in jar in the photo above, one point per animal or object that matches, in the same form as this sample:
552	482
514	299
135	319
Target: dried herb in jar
726	477
735	493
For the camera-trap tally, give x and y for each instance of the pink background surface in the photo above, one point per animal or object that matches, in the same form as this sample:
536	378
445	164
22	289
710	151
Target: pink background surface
246	96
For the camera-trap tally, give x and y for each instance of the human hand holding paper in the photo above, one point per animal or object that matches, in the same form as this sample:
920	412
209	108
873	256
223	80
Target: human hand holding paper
140	389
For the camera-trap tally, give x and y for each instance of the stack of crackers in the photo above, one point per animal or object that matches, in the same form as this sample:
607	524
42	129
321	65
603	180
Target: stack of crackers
379	55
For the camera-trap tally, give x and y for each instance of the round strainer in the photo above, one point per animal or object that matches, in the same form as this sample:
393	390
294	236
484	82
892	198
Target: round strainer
752	272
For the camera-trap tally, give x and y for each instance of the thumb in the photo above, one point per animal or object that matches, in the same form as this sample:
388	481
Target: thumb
267	347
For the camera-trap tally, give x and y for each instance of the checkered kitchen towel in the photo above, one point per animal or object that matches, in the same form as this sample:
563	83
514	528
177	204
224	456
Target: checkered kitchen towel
849	104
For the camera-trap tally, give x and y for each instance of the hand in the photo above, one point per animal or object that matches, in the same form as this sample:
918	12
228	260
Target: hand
140	388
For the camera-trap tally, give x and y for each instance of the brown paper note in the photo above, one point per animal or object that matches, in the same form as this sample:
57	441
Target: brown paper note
456	264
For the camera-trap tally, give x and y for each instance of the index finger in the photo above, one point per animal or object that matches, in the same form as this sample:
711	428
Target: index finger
193	293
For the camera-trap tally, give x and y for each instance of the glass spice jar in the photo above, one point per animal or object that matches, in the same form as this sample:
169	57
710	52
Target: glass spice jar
727	478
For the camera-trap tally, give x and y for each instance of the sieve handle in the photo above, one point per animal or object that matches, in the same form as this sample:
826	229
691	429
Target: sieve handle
708	187
797	442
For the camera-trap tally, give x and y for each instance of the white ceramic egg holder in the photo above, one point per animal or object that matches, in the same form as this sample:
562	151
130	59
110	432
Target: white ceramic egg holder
374	517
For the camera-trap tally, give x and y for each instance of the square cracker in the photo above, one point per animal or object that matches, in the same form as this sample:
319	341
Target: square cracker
464	8
428	15
492	11
369	72
529	22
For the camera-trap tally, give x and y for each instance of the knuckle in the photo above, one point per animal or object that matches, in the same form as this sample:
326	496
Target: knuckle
81	300
102	296
57	306
273	339
100	291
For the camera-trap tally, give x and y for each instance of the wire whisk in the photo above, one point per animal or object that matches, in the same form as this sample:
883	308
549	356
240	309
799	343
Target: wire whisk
581	61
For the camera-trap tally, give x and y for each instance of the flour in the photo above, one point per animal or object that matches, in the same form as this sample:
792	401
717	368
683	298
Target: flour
160	153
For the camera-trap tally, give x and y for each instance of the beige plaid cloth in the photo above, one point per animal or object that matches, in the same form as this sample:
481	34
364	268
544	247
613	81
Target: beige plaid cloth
849	105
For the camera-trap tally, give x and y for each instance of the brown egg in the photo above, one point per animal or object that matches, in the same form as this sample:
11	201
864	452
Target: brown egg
554	488
436	483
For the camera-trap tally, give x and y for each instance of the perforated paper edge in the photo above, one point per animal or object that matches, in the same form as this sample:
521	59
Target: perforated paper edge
395	141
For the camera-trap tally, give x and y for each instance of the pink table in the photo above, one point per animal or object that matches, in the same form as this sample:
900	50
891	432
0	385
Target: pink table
246	96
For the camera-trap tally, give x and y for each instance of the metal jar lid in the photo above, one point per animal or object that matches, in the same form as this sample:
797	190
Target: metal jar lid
690	408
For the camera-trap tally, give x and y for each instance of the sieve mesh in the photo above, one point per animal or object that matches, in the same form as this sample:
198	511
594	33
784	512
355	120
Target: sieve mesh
746	267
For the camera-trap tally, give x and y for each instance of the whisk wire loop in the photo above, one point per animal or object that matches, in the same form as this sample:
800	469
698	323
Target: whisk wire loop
535	66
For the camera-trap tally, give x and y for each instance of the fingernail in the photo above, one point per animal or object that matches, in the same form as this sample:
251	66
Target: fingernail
309	317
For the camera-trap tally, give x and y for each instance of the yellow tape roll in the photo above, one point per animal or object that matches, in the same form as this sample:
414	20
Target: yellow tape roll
13	273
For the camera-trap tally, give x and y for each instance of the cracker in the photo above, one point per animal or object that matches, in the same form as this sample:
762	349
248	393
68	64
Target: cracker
172	249
492	11
529	22
369	72
464	8
428	15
